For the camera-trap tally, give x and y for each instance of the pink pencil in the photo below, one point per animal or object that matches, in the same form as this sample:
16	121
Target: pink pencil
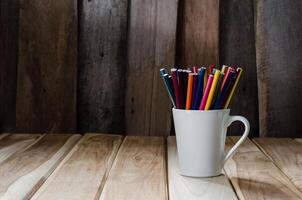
206	92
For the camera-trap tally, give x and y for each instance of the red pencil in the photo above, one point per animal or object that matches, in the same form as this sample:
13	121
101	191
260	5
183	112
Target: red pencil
206	92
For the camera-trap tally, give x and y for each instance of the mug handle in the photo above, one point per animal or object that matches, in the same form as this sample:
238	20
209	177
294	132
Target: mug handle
243	137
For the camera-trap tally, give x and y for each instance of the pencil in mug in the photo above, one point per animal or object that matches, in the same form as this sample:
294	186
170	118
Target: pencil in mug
166	81
212	90
225	77
198	95
217	89
239	73
223	91
180	87
185	86
189	91
206	92
175	87
194	88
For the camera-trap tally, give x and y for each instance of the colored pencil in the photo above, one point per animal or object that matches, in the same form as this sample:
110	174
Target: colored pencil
224	67
217	89
165	78
206	92
199	92
225	77
224	89
189	91
175	87
212	90
210	69
185	86
194	88
181	90
194	69
162	71
239	71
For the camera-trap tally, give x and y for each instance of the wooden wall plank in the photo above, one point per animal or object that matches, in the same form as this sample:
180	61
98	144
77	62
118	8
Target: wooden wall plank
181	187
23	173
139	165
151	46
254	176
197	36
237	47
286	154
83	172
13	143
102	65
298	140
278	51
9	29
46	92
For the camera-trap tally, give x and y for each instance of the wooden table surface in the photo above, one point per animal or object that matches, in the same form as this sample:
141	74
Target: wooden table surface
106	167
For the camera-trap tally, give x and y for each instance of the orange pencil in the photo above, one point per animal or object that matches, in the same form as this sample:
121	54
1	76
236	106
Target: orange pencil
189	91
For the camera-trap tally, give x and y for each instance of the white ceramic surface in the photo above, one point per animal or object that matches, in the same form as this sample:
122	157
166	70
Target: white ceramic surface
200	137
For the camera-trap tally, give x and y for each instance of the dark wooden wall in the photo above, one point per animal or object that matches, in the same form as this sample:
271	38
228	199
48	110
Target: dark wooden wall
92	65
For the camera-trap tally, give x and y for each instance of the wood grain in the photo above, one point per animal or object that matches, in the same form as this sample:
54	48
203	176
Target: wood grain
139	171
46	92
9	29
92	157
278	53
102	65
238	49
13	143
286	154
23	173
197	36
254	176
151	46
181	188
298	140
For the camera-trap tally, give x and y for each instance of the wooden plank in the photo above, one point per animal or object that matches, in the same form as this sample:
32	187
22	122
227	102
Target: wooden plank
197	36
181	187
151	46
9	29
254	176
14	143
299	140
286	153
236	48
139	171
23	173
102	65
3	135
279	66
92	157
46	92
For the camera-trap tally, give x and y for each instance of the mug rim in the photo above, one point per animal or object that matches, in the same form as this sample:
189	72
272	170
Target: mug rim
184	110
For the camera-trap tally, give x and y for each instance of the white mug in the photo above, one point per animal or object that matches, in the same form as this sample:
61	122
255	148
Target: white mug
200	136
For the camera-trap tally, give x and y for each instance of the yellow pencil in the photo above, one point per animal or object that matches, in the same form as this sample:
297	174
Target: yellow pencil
223	68
233	89
212	90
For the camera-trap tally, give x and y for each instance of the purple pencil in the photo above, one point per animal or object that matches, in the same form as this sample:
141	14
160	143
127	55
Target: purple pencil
175	86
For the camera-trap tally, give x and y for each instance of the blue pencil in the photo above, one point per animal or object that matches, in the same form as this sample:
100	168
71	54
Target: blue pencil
223	91
166	81
194	89
199	90
162	71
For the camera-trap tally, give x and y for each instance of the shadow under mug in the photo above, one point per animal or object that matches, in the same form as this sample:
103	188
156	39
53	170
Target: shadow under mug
200	137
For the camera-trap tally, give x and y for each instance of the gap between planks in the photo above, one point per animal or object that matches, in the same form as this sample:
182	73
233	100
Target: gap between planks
29	168
286	154
98	151
254	176
139	164
181	187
